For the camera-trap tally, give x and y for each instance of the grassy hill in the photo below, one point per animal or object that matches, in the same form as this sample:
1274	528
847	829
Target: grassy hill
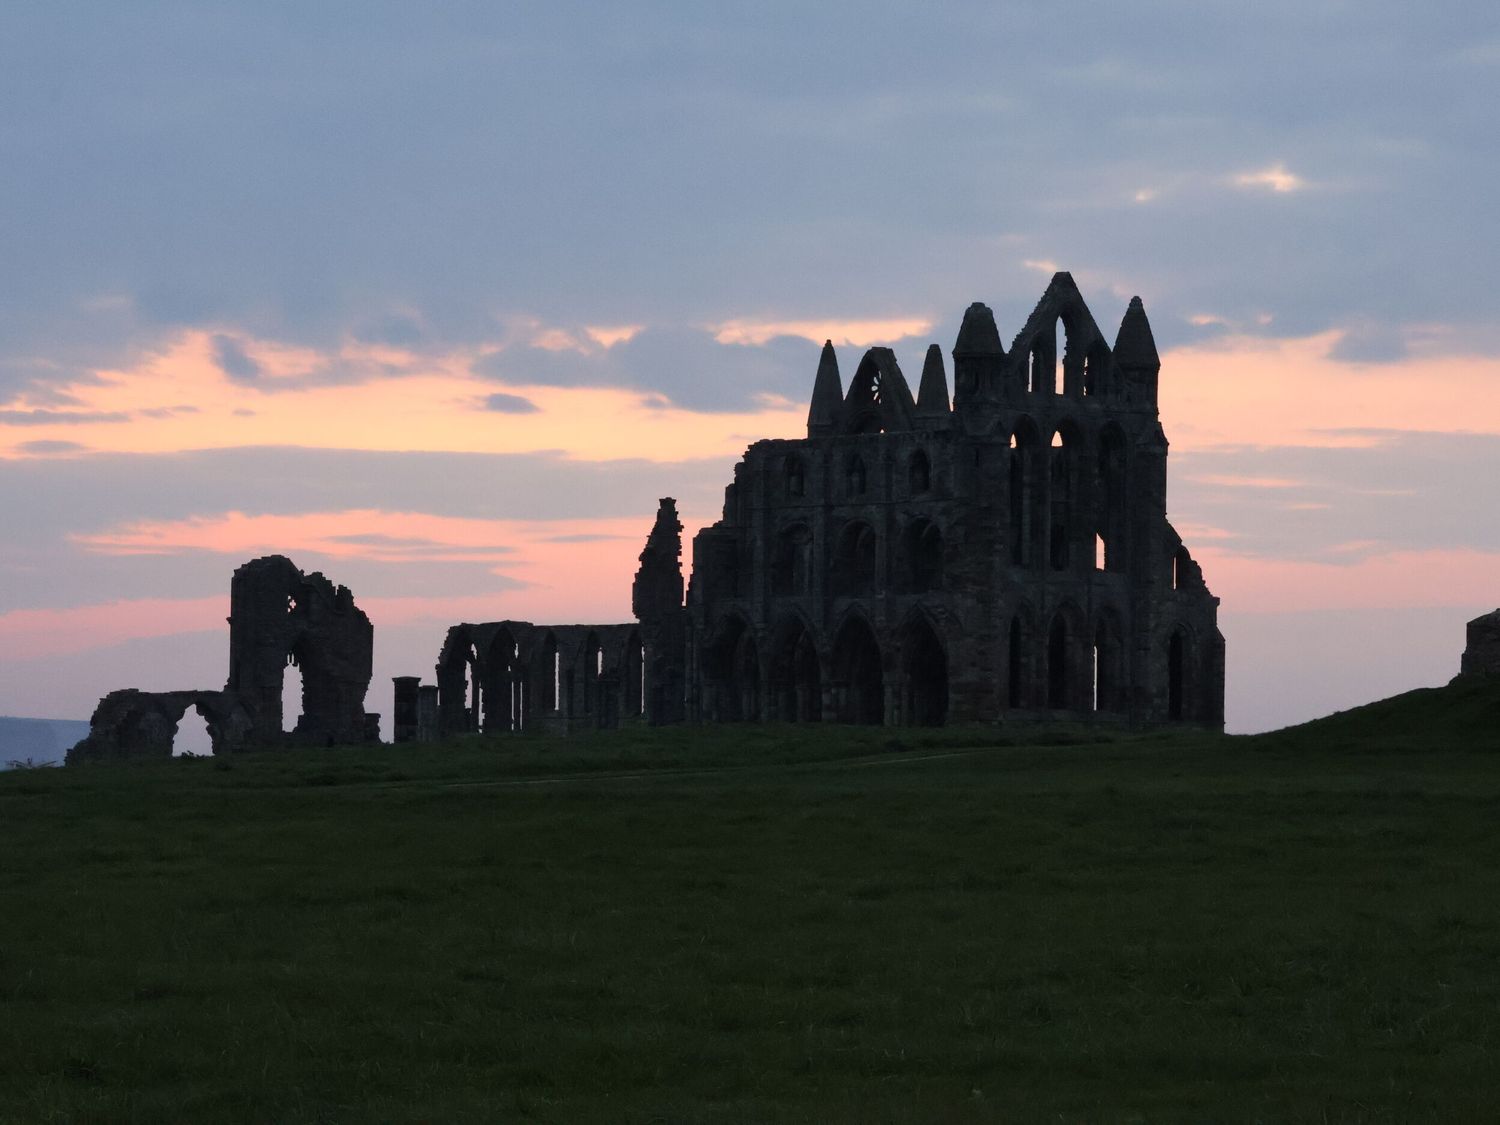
767	924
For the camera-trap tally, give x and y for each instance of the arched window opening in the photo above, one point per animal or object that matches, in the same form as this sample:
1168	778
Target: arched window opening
796	478
1175	659
1059	680
922	551
1100	554
1032	365
747	679
796	675
1013	666
192	736
854	561
858	683
856	476
593	668
501	691
919	474
791	563
1059	355
1061	473
634	676
732	668
1024	443
1181	562
549	672
925	676
293	687
1113	517
1109	664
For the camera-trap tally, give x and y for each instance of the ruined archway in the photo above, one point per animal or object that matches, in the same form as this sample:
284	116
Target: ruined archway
795	673
857	676
732	667
924	675
1178	645
1109	694
1064	670
275	612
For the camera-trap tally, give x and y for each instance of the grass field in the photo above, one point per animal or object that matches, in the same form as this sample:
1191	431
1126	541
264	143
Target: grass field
768	924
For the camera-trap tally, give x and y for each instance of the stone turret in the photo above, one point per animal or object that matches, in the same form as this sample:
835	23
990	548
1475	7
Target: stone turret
656	600
978	356
933	410
828	395
1135	353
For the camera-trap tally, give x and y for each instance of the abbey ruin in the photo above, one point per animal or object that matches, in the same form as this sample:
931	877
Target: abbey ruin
1001	556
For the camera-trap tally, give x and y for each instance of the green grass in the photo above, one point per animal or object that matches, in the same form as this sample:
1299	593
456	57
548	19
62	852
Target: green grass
768	924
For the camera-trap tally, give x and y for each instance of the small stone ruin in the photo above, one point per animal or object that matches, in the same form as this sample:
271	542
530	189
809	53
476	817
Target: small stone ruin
278	616
1482	646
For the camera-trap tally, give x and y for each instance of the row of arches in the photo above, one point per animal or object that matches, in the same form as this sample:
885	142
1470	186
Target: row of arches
853	567
791	677
1069	359
509	676
1067	663
855	480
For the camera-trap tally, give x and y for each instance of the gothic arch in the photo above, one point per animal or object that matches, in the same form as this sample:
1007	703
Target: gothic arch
791	561
1022	508
923	672
1019	658
1110	682
732	667
794	671
1064	664
1181	648
856	672
919	473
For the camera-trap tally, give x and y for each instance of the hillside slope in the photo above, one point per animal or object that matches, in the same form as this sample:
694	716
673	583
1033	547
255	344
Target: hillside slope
1463	714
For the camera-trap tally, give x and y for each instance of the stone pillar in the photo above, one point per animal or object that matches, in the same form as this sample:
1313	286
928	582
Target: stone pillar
427	713
404	708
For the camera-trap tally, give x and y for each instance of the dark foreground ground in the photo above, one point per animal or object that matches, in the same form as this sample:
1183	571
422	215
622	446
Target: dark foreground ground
781	924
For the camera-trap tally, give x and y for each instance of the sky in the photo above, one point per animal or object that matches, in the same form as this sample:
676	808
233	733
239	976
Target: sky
439	299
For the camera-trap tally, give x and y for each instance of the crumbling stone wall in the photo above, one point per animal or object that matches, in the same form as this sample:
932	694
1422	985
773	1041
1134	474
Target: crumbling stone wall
143	724
1482	648
277	615
280	616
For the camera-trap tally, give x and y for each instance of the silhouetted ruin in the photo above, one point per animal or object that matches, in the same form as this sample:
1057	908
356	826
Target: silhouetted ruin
1003	557
1482	646
278	616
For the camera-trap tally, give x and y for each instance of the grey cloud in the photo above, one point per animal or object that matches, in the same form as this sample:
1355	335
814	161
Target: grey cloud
509	404
1367	341
44	448
233	361
59	417
687	367
841	162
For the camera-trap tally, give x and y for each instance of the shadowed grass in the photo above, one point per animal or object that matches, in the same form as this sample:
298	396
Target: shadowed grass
766	924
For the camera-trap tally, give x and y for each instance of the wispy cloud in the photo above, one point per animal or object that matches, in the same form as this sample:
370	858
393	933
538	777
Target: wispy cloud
1275	177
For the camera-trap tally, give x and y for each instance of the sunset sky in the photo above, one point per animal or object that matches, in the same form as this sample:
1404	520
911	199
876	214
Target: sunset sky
439	299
